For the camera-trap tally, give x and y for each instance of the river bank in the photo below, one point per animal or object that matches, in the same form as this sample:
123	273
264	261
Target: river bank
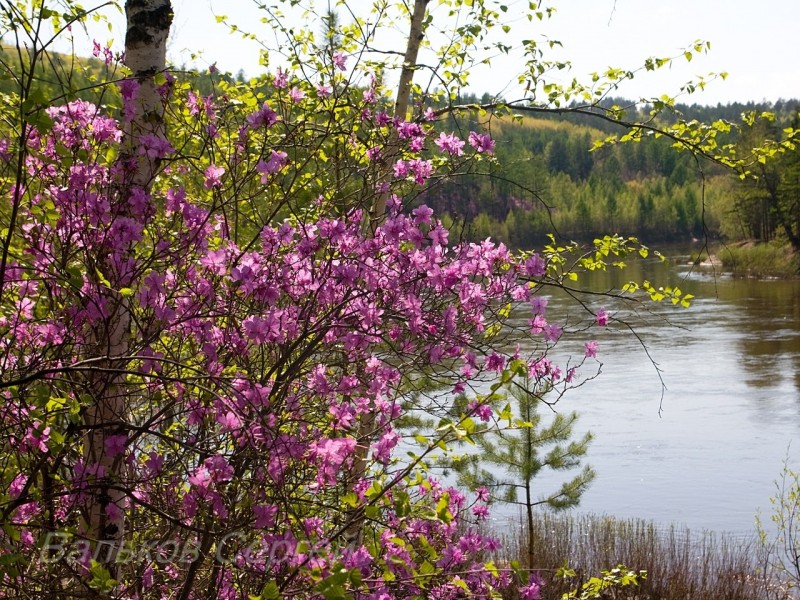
775	260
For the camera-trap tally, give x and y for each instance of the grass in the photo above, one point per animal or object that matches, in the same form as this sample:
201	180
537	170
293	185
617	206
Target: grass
680	565
760	260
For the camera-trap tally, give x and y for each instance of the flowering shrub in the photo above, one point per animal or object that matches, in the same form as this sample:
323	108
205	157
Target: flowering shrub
257	346
209	338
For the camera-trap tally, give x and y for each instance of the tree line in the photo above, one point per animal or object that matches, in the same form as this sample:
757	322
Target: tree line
550	176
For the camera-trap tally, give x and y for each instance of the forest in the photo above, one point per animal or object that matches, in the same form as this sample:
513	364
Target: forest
551	176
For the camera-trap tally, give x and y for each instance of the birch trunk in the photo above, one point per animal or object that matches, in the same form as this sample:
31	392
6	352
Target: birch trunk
148	24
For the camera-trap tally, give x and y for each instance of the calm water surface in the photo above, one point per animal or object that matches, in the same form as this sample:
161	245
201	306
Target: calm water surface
729	414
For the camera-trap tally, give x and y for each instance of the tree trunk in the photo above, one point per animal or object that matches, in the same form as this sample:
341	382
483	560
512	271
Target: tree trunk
366	427
148	24
415	36
528	478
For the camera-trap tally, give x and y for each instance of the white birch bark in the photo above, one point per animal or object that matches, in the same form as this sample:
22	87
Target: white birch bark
148	24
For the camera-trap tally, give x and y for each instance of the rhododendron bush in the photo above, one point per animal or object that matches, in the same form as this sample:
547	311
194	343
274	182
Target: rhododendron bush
210	337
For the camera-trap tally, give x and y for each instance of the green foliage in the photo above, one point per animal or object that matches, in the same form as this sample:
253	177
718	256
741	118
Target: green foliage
764	204
598	587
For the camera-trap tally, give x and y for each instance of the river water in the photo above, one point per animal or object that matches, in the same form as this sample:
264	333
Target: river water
707	452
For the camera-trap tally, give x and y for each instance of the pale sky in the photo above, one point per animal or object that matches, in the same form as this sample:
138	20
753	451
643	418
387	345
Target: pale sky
756	42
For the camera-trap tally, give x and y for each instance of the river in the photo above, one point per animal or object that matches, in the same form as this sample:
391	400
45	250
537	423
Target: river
707	453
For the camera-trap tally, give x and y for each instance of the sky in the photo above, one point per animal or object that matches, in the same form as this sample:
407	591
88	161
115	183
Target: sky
757	42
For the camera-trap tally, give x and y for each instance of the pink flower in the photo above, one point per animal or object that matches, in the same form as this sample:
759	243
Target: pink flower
495	362
552	332
313	526
401	169
37	437
590	349
484	411
601	318
154	462
539	305
213	174
200	478
417	144
277	160
448	142
263	117
332	453
535	266
482	142
296	94
407	129
192	101
261	330
229	421
265	515
383	449
422	170
532	591
324	90
537	324
439	235
129	89
17	485
115	444
280	80
340	61
154	146
422	215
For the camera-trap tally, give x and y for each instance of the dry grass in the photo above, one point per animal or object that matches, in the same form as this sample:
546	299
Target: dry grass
680	565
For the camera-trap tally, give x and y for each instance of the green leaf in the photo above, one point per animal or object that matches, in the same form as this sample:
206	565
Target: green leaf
101	579
426	568
443	508
270	591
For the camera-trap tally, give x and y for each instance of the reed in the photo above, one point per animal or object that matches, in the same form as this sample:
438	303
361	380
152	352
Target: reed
680	564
